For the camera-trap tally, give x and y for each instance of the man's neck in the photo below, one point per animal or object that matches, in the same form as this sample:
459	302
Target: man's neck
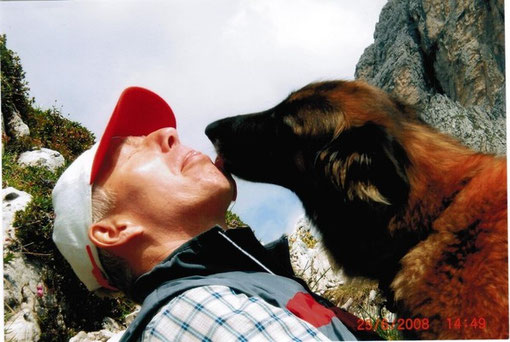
158	244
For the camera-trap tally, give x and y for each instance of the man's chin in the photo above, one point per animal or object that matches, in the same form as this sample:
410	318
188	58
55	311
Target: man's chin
233	185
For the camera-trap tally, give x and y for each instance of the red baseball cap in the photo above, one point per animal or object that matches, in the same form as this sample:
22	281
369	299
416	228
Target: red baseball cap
139	111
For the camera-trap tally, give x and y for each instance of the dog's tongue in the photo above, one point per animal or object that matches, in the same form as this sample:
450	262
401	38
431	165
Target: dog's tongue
220	164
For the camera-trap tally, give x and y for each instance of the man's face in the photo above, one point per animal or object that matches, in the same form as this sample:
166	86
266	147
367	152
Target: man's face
156	178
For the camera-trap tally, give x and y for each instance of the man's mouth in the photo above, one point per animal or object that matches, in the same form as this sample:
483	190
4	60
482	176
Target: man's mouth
189	157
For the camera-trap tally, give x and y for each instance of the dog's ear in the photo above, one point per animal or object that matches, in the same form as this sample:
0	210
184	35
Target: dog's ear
365	163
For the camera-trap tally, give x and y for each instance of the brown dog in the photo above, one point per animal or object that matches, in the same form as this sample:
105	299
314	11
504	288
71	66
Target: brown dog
394	199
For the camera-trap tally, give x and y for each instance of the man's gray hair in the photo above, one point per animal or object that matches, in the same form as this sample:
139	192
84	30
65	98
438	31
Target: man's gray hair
118	272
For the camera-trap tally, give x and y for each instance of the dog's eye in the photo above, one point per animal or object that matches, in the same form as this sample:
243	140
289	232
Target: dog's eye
289	121
295	126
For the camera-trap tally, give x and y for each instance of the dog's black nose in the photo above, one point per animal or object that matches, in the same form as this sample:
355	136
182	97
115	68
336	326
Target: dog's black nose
220	129
212	130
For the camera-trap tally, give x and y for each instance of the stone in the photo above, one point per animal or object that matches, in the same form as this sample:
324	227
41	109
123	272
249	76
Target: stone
17	127
13	201
347	304
112	332
110	324
447	59
22	327
21	282
131	317
43	157
96	336
117	336
312	264
371	296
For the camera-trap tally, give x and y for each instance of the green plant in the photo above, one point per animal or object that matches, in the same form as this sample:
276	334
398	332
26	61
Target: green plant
8	257
233	221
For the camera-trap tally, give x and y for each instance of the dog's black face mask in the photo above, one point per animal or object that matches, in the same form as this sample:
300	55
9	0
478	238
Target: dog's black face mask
267	146
247	144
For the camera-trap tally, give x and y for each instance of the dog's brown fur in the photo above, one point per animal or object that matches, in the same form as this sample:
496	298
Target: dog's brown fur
440	226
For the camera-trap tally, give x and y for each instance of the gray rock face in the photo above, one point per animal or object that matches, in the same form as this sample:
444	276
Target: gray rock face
43	157
447	59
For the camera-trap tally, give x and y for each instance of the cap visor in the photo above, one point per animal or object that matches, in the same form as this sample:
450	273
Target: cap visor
138	112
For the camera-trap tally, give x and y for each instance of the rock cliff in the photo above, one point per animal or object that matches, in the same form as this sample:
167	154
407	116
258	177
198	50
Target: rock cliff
447	59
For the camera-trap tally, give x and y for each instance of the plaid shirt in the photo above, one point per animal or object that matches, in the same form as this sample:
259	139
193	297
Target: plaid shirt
217	313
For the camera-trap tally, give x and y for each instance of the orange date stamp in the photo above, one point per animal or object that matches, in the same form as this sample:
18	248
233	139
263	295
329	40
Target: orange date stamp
416	324
398	324
458	323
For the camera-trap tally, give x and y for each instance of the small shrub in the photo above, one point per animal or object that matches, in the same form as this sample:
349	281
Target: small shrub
14	86
50	129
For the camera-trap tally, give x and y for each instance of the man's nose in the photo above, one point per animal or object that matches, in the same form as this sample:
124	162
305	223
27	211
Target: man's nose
166	138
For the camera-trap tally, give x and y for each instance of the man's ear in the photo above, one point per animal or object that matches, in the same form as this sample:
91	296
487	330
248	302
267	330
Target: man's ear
113	232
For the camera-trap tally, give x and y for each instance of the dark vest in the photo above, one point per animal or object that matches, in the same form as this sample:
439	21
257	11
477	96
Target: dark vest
219	257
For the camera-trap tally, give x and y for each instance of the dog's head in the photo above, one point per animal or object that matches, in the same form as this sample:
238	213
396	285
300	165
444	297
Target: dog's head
331	135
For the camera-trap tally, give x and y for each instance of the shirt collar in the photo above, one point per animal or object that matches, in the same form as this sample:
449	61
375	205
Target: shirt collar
208	253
